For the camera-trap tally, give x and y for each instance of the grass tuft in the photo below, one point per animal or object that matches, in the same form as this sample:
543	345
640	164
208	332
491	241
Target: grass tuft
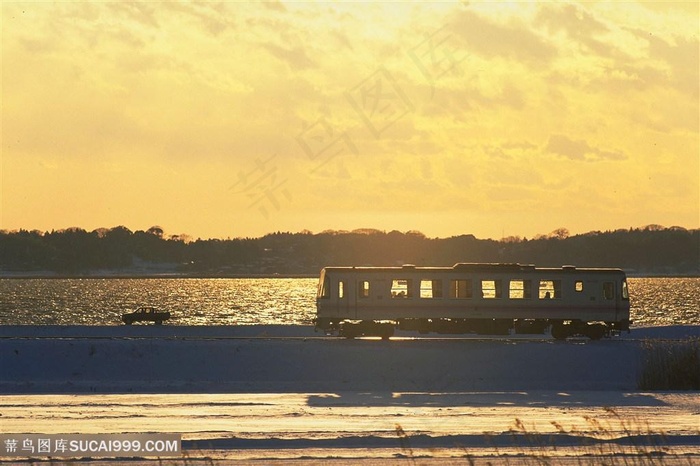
608	439
670	365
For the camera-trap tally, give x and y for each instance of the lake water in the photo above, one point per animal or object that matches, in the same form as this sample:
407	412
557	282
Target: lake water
232	301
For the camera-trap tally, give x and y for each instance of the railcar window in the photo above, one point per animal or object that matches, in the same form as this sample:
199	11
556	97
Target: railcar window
401	288
550	289
520	289
363	289
431	288
490	289
625	291
461	289
341	290
608	290
578	286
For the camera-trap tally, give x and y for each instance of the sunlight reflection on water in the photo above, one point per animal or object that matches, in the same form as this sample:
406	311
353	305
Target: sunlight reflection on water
665	301
229	301
194	301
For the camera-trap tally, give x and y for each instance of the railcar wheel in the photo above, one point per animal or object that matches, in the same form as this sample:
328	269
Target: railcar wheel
386	330
559	331
424	326
595	331
349	330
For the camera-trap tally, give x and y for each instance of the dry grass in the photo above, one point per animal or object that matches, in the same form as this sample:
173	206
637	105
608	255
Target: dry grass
607	440
670	365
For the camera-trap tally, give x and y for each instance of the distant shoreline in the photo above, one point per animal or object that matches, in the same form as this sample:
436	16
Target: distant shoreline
45	276
48	275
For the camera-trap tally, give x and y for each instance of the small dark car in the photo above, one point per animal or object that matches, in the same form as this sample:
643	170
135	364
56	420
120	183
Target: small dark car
146	314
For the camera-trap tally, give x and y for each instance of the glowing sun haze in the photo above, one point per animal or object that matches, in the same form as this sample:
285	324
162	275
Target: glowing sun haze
232	119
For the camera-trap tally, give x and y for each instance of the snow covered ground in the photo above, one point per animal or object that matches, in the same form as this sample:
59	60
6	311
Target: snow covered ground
283	392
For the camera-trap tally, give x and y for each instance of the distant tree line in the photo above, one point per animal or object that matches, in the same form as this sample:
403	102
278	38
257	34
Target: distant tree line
74	251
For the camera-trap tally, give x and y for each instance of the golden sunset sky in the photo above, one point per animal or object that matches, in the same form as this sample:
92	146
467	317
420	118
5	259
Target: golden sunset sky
235	119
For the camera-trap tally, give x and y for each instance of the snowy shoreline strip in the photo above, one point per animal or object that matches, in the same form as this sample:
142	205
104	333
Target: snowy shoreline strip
281	365
501	440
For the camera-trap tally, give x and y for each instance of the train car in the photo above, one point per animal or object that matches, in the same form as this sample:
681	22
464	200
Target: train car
498	299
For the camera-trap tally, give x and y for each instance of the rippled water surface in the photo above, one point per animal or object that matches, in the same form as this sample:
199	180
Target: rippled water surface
223	301
194	301
665	301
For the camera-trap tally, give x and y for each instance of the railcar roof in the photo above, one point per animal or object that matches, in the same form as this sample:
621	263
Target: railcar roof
473	267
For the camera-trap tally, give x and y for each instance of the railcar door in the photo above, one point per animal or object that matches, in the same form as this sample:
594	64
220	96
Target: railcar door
592	287
623	304
364	291
343	296
608	295
353	295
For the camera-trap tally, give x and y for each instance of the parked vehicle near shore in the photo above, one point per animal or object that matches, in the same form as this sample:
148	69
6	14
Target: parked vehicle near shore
473	298
146	314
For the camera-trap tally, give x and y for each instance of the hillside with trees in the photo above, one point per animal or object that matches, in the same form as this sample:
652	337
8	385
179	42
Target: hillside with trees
651	250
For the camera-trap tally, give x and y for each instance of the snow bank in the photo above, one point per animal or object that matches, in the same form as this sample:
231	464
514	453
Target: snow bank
150	359
282	331
156	331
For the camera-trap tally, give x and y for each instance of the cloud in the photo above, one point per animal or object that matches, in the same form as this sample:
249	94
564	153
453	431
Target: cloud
503	97
563	146
513	40
683	60
143	13
578	24
510	150
214	18
275	5
295	57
